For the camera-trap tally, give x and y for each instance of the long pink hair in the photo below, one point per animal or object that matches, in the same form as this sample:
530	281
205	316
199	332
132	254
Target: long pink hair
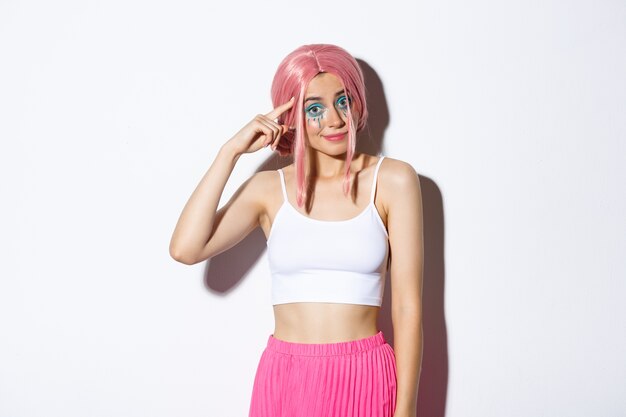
292	79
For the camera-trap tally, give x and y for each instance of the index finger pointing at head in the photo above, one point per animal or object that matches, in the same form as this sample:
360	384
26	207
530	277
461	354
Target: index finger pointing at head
280	109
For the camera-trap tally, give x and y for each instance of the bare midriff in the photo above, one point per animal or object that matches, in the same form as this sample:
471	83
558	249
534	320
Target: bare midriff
324	322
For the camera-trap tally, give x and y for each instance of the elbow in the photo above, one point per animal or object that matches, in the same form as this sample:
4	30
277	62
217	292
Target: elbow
182	256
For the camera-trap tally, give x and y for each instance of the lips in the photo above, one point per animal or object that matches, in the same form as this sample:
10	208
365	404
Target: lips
335	138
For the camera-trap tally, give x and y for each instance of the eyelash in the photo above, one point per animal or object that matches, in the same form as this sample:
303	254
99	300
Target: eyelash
345	105
342	107
309	110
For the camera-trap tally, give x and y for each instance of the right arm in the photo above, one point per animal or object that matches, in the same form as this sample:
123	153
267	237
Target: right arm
202	232
194	238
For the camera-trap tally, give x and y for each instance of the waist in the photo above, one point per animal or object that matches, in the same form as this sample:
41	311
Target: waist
326	349
324	322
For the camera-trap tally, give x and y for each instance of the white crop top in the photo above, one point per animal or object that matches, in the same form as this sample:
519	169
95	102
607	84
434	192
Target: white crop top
333	261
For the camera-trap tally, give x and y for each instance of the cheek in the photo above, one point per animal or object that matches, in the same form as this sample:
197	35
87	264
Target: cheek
314	125
311	128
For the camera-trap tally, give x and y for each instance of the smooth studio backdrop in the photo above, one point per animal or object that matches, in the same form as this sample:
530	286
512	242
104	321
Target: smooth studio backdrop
512	112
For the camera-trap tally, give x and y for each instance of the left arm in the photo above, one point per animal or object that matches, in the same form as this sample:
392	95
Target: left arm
405	227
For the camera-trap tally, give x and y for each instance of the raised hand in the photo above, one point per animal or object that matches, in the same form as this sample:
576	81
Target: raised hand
261	131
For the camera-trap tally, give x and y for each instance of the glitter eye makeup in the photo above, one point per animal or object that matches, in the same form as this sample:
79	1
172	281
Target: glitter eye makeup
315	112
343	103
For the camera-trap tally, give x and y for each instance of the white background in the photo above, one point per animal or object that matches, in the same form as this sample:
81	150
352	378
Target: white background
512	112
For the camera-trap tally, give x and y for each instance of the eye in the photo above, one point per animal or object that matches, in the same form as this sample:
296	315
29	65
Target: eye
343	102
314	110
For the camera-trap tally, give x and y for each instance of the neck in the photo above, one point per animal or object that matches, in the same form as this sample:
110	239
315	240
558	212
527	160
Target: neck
328	167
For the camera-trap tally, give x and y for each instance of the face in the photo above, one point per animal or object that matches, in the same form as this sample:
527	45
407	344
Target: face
326	114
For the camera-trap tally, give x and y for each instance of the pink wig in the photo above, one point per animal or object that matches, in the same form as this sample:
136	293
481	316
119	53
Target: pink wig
292	79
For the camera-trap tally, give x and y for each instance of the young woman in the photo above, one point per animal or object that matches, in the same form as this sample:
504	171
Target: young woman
335	221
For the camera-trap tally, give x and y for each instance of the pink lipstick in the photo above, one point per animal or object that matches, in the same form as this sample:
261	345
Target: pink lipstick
335	138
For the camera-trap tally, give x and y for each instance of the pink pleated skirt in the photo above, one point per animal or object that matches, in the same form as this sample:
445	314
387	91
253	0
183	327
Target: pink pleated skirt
356	378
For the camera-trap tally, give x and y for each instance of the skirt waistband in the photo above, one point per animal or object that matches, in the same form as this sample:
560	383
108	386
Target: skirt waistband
326	349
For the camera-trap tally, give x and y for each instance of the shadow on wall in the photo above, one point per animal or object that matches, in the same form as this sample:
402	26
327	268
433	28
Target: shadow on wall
225	271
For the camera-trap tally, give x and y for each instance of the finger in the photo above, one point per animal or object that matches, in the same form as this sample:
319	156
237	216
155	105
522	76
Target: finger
266	130
275	143
280	109
268	134
266	127
283	129
269	122
280	130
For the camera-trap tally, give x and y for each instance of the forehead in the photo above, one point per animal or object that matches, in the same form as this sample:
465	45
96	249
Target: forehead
324	84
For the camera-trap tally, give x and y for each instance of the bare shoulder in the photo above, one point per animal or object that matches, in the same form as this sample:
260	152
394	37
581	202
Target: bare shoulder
399	186
398	177
264	179
263	188
402	198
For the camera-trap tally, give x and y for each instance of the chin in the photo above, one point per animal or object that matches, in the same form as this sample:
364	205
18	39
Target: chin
331	149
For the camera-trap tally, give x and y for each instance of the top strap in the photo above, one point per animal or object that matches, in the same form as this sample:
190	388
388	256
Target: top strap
282	184
375	177
373	193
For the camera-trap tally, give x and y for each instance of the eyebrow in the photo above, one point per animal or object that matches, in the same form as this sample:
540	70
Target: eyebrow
319	98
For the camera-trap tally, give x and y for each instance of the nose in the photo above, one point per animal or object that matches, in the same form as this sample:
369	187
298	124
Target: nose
334	118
